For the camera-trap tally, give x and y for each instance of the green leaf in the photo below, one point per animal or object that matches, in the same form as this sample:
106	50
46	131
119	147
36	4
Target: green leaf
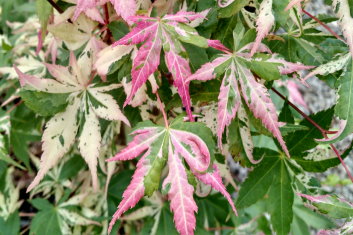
266	70
44	10
290	128
214	209
312	218
300	141
72	167
280	200
286	114
47	220
232	9
278	10
152	178
44	104
299	226
315	165
10	226
191	36
165	223
41	204
119	29
298	50
4	156
24	129
258	182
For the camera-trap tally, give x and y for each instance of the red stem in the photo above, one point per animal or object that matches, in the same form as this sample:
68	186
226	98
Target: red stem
323	25
299	111
161	107
323	131
106	21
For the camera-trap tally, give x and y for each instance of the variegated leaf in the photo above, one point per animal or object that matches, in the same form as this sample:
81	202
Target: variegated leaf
228	101
57	139
258	99
90	143
343	12
264	23
189	141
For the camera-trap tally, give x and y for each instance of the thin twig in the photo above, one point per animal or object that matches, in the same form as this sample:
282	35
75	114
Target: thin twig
13	107
323	25
25	214
299	111
161	107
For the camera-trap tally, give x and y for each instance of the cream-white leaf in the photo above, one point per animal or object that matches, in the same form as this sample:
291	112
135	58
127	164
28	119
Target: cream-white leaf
57	139
90	143
108	56
108	108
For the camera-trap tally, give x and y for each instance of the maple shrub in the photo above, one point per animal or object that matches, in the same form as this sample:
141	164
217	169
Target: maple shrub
123	116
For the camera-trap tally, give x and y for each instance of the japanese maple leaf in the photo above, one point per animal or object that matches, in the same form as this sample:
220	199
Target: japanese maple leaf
264	23
240	83
89	8
166	32
170	146
124	8
84	99
74	34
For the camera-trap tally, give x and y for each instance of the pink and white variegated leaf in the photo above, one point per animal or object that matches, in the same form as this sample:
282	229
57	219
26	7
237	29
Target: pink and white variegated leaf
140	33
57	139
264	23
343	10
139	97
228	101
180	69
292	4
215	181
45	85
125	8
207	71
180	195
142	141
184	17
260	48
294	94
145	63
258	99
134	192
89	8
216	44
192	148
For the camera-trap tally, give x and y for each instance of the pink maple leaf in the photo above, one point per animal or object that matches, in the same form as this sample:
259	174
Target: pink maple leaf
238	77
151	32
152	141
